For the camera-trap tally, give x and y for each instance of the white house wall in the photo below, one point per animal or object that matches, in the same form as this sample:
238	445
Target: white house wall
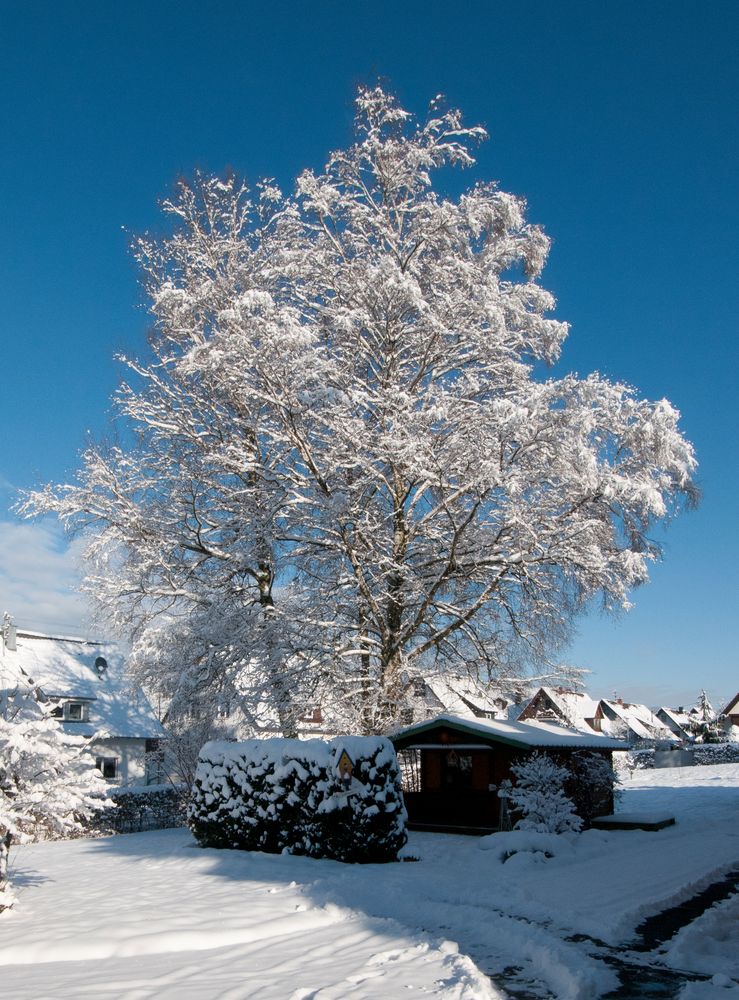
131	757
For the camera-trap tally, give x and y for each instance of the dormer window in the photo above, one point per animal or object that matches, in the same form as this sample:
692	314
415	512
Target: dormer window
76	711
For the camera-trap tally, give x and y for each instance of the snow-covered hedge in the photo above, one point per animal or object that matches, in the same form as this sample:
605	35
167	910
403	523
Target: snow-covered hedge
715	753
150	807
286	795
701	753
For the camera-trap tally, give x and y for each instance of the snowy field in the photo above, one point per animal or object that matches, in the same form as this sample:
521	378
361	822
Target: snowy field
154	916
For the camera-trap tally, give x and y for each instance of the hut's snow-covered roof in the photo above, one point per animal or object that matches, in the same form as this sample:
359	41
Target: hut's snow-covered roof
523	734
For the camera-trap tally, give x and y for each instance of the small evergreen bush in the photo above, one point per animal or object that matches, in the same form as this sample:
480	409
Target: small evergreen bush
539	796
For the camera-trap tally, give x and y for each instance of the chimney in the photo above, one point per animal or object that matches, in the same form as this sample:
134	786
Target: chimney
9	633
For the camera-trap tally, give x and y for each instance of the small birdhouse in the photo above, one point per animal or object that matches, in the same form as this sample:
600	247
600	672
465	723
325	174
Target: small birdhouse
345	768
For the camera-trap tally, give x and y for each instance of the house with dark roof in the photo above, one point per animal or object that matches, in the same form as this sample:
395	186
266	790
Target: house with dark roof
85	684
454	767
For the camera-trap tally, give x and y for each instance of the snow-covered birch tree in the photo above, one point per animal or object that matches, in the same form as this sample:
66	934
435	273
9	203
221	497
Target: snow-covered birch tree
343	460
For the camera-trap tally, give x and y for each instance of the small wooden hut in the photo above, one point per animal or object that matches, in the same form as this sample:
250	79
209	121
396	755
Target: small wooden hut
453	768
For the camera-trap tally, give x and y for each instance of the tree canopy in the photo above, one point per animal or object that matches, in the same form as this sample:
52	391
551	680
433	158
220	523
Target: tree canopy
342	462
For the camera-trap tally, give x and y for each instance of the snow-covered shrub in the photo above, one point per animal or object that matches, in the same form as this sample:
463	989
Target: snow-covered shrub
368	823
640	760
48	782
539	796
254	796
591	784
286	795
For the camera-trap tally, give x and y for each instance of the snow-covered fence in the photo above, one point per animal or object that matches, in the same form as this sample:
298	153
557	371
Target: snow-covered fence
340	799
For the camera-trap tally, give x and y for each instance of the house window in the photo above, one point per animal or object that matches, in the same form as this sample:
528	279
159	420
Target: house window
75	711
312	715
419	687
406	716
108	767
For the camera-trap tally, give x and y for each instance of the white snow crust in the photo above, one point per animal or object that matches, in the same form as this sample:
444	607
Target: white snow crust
151	915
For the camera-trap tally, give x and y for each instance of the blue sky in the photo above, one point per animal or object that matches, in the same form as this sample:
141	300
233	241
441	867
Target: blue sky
617	121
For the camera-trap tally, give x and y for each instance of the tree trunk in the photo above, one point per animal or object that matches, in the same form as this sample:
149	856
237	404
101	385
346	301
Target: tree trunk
5	843
283	700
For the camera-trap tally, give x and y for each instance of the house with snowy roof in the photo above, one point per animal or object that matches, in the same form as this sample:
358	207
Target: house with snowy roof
635	723
453	767
461	695
86	685
563	707
423	698
678	721
731	712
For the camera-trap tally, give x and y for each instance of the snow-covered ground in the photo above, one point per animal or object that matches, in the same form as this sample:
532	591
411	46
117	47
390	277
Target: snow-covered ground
154	916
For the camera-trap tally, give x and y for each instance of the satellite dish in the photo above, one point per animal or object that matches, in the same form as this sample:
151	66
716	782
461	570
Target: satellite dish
101	665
